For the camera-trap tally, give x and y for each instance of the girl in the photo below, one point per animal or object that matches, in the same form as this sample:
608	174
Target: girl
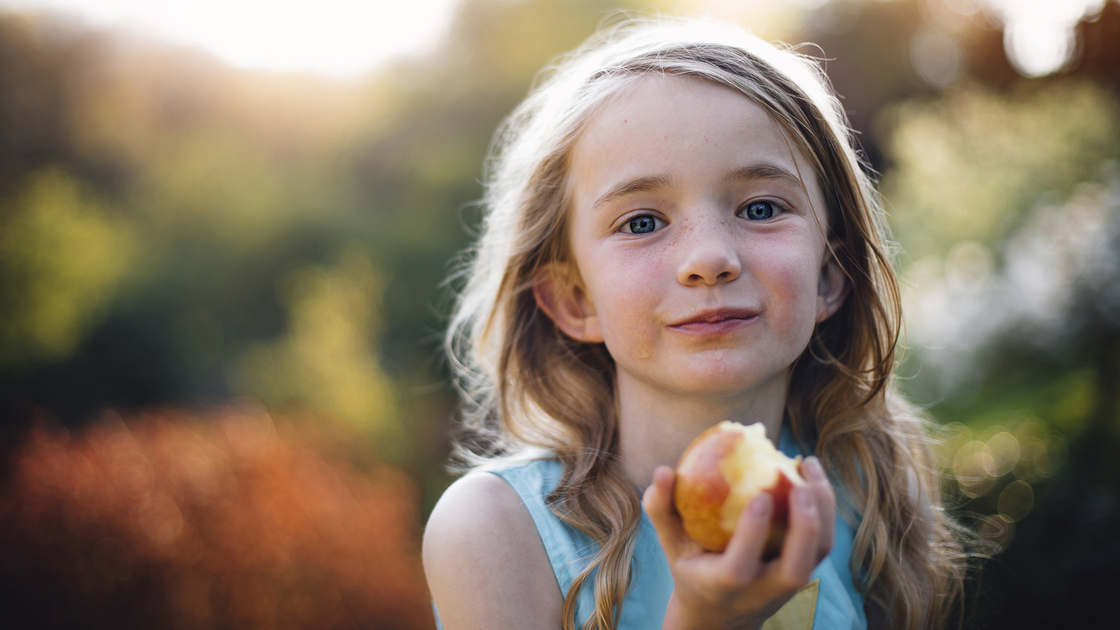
678	232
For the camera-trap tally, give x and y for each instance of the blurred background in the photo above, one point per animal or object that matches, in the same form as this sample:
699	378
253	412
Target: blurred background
225	231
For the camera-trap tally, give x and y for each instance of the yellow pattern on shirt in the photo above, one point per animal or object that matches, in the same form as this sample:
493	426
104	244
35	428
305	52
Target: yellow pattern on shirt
799	612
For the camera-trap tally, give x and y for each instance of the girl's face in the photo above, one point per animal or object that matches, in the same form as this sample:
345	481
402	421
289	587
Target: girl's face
699	235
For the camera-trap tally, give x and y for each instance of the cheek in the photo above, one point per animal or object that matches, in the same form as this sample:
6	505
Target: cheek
794	284
625	304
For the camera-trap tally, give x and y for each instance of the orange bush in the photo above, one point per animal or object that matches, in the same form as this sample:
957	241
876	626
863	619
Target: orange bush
172	521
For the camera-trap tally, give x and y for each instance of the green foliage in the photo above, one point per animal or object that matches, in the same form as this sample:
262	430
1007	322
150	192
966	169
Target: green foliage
327	359
498	46
212	182
969	164
62	256
1062	402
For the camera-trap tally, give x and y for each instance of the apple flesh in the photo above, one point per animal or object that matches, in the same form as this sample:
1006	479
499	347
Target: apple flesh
721	472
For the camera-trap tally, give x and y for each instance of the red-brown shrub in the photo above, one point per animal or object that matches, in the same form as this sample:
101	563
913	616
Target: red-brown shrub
173	521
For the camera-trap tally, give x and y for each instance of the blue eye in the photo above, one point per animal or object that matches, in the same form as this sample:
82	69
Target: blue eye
643	224
760	210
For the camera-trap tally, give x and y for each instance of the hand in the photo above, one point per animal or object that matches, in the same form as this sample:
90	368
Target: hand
736	588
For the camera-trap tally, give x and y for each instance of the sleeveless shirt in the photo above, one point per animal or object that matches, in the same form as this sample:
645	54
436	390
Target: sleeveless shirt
829	601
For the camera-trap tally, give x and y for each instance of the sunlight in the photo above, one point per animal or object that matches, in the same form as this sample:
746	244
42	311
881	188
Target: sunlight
340	38
1039	34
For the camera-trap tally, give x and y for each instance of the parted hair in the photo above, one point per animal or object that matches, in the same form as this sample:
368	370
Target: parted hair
526	385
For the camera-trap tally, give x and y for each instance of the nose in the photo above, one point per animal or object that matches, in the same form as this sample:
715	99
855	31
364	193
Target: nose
710	256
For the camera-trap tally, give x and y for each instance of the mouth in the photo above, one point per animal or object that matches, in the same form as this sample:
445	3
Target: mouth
715	321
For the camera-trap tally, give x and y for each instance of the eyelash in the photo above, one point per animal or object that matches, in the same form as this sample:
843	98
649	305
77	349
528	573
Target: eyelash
776	210
626	229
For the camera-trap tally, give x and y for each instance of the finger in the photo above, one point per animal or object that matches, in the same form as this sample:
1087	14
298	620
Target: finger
799	552
658	503
744	552
826	503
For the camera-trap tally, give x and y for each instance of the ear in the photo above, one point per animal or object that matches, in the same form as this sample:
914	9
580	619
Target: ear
833	286
566	303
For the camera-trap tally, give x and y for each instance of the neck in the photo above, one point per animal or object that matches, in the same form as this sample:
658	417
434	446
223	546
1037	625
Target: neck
655	426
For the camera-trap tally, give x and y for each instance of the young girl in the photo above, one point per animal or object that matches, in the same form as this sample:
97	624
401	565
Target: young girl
678	232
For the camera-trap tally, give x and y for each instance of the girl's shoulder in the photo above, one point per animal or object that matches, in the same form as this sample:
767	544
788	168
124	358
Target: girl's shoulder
484	559
532	474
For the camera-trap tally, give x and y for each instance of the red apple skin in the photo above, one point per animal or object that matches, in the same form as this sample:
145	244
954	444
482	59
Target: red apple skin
701	490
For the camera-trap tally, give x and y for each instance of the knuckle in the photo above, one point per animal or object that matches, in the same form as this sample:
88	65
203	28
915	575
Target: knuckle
792	583
726	581
811	526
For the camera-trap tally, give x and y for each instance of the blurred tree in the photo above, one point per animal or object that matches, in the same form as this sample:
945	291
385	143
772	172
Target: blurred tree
223	520
865	50
1004	193
61	259
41	62
1037	343
969	163
325	360
1098	47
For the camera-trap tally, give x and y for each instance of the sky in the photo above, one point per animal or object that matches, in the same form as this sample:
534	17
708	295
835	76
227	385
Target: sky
341	38
347	38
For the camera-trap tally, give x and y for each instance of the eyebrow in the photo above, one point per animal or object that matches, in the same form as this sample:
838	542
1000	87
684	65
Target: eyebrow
754	172
639	184
765	171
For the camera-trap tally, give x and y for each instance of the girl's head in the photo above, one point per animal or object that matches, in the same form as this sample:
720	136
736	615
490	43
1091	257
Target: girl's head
525	336
529	367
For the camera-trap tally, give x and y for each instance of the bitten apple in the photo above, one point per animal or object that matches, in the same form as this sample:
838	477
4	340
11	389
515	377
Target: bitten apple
719	474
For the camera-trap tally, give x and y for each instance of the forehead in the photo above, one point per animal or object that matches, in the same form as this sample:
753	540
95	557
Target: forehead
679	127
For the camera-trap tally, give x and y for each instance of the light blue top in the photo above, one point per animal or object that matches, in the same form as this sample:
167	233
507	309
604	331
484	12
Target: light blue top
838	605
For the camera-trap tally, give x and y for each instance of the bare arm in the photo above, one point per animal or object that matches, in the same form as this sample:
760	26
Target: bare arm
485	562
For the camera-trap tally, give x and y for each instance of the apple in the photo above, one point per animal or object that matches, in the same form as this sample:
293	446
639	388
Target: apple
719	474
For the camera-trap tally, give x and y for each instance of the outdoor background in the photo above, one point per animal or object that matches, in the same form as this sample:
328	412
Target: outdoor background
223	401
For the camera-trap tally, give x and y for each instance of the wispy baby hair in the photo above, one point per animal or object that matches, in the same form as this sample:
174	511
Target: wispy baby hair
527	385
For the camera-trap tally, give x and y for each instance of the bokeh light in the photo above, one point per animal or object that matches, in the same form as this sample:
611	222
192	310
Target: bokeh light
1039	34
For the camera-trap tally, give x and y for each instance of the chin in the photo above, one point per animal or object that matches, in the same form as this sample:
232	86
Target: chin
727	380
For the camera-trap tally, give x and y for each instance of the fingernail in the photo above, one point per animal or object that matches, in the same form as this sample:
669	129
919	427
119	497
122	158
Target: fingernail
813	469
760	506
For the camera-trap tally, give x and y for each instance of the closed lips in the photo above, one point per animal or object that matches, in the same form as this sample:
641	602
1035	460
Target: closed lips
715	317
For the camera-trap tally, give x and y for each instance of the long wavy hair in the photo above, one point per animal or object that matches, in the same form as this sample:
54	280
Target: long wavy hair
527	385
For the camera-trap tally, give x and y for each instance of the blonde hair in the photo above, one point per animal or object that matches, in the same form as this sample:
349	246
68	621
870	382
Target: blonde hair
526	384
